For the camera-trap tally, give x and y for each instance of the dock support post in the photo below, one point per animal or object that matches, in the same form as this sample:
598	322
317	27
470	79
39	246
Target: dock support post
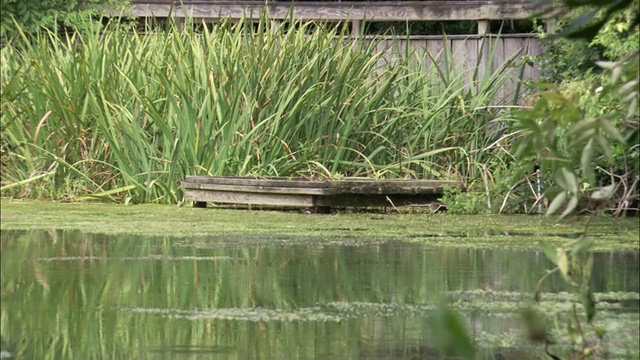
322	210
200	204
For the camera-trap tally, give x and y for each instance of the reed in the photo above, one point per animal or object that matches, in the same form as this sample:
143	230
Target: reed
122	114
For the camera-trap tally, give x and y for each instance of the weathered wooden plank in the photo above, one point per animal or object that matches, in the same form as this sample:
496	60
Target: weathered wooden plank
313	193
260	189
360	200
318	187
248	198
338	11
250	181
311	182
391	186
200	199
449	37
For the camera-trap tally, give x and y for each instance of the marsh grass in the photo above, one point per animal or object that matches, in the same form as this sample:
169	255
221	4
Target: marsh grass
124	115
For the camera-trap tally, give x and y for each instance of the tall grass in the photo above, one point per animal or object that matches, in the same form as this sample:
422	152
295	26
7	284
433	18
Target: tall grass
125	115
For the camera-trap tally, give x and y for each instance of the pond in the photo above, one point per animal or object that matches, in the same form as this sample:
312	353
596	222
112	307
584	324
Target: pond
73	294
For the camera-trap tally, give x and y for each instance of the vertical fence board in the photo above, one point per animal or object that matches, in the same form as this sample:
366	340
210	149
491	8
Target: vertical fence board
435	47
482	58
512	46
418	44
459	58
498	60
531	72
471	47
535	48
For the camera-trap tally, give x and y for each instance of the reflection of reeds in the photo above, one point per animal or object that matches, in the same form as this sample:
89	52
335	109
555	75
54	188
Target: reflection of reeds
124	115
252	303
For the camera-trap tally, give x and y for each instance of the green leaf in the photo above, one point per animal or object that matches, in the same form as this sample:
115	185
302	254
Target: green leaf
611	130
582	125
450	335
550	252
628	87
563	263
633	106
631	96
615	5
543	85
561	181
582	246
603	193
554	98
587	268
571	113
557	202
615	74
570	180
607	65
588	32
580	30
585	161
588	303
604	145
579	138
571	206
535	324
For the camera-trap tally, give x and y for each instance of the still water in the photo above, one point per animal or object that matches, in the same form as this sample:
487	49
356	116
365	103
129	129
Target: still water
69	295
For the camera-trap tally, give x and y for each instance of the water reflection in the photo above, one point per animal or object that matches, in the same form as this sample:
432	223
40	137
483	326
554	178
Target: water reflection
73	295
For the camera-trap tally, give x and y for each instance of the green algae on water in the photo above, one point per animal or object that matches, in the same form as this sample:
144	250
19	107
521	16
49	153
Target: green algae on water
287	227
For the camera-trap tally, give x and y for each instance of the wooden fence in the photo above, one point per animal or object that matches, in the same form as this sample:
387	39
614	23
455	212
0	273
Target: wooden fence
480	10
467	49
474	50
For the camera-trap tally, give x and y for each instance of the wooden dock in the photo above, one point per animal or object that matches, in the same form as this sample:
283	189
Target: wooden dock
312	193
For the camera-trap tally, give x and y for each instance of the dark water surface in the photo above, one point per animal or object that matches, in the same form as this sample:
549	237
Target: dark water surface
70	295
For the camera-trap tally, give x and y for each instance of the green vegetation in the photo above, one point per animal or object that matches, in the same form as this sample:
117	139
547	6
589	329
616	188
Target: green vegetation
572	135
20	16
126	115
123	115
583	129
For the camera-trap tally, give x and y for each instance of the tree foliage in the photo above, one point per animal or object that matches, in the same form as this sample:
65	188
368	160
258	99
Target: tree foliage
594	15
583	129
30	16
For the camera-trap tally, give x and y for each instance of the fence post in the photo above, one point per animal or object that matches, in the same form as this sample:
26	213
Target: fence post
550	25
355	28
483	27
